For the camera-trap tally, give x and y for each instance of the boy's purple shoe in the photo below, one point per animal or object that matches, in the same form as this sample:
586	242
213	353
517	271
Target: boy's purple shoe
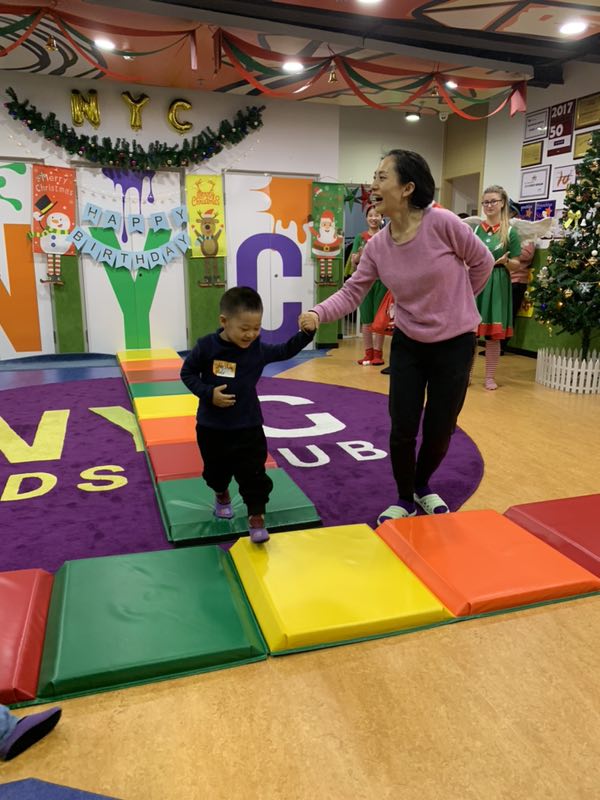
28	731
259	535
223	510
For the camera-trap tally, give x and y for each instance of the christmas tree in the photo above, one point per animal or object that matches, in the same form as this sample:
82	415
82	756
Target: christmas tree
566	290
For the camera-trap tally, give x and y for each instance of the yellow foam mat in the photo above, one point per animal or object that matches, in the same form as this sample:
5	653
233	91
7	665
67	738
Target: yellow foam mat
171	405
325	585
147	354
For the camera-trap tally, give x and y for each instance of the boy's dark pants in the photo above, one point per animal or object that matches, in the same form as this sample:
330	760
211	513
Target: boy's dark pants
239	454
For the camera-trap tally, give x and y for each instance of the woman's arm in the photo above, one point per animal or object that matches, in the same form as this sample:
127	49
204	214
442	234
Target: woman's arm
352	292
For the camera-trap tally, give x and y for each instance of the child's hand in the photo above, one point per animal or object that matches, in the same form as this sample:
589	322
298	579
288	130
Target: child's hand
222	400
308	322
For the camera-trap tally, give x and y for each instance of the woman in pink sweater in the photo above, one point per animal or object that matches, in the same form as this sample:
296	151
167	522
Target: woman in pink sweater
434	266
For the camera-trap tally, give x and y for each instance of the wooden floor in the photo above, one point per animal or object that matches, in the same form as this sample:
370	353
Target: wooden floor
507	707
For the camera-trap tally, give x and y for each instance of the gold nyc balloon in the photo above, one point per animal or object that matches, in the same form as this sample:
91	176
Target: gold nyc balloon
83	108
135	105
175	107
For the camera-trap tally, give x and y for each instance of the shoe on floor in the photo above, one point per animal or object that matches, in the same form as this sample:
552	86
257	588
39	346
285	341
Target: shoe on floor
395	512
490	385
431	503
377	360
256	529
386	371
28	731
367	359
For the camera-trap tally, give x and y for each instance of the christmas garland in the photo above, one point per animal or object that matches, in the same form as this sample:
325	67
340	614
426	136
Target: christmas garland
131	155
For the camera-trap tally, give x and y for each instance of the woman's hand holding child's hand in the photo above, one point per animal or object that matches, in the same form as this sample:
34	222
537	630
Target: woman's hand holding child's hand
220	399
308	322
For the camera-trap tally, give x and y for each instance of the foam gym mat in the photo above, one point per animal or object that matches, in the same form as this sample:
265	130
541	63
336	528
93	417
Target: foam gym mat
122	620
157	389
147	354
177	405
24	601
314	588
168	430
187	508
480	561
570	525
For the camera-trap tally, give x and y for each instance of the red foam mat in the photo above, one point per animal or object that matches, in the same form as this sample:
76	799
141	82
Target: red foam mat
570	525
24	601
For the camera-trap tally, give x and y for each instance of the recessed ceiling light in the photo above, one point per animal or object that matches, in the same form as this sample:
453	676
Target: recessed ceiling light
452	84
573	28
293	66
104	44
369	2
412	116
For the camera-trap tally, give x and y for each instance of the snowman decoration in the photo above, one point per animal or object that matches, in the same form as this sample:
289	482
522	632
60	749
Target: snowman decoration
53	236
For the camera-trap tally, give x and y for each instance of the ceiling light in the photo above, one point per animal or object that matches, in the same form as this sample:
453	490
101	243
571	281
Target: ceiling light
573	28
104	44
293	67
412	116
369	2
452	84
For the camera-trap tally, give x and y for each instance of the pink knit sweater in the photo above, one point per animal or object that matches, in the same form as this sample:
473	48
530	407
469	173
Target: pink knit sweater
434	278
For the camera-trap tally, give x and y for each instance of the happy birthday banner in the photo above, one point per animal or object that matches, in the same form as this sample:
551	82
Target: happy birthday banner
133	223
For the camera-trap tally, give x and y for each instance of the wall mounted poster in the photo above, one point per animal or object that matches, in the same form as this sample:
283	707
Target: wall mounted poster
545	209
531	154
535	183
562	177
536	125
588	111
582	143
560	131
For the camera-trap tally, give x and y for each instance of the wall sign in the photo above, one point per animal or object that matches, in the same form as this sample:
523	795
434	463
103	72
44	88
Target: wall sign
536	125
560	130
535	183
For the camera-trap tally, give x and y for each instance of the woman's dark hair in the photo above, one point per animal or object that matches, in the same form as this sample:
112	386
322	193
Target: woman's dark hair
411	166
238	299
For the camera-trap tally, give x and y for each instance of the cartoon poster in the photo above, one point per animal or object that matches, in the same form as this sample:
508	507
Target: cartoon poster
206	215
53	193
327	230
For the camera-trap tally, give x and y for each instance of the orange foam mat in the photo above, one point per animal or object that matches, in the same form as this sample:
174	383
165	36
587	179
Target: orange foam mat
157	363
480	561
154	374
175	460
169	430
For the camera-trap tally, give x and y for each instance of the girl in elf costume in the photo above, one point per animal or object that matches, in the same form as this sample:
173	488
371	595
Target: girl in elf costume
368	308
495	301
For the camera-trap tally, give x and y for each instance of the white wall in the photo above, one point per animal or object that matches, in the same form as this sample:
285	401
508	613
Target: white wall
505	133
365	134
296	137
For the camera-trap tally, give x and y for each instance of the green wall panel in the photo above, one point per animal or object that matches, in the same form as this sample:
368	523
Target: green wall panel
68	311
203	301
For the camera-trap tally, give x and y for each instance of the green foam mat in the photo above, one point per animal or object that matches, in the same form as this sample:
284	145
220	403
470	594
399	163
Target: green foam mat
157	388
187	509
123	620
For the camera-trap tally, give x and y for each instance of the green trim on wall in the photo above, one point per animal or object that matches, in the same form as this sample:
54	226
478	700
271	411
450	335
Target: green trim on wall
68	311
203	301
135	297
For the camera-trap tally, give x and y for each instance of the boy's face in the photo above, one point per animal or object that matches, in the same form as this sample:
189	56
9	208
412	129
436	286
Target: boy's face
242	328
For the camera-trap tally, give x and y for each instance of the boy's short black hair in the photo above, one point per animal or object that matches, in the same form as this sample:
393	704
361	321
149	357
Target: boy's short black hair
238	299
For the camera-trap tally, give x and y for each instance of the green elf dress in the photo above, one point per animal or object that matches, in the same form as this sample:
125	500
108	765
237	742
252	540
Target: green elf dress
495	301
370	305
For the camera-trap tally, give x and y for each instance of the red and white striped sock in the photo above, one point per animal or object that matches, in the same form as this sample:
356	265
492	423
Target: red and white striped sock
492	356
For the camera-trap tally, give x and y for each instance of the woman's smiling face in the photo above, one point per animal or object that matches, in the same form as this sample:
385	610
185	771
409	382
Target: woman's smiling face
388	195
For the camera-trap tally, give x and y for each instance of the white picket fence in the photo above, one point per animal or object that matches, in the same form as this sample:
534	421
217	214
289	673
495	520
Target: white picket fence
567	371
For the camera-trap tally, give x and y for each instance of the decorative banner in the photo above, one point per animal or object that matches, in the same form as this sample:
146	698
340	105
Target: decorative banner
560	131
327	230
53	194
206	214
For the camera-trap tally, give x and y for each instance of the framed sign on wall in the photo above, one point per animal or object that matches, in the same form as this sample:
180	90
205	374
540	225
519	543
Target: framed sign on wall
536	125
535	183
